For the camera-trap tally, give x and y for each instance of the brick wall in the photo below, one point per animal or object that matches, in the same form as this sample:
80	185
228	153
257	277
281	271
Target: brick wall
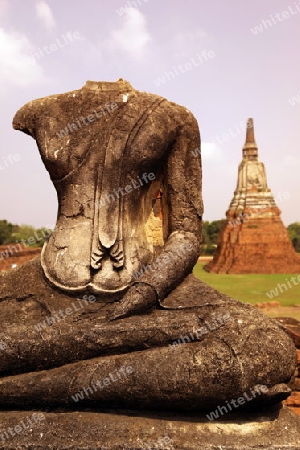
14	255
293	328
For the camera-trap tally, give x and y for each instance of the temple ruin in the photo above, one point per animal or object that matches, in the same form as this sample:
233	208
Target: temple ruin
253	238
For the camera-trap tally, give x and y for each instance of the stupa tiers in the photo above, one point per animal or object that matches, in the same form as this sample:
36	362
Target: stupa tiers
253	238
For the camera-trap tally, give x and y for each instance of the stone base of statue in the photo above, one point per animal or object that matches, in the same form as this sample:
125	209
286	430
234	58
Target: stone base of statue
273	429
198	348
83	382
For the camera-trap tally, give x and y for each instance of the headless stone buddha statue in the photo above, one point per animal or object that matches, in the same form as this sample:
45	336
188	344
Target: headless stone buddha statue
105	317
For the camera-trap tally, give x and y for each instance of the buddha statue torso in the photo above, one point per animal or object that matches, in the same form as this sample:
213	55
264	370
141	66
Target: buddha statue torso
107	164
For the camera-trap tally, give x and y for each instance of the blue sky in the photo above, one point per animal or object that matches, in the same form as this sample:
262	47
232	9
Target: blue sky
225	60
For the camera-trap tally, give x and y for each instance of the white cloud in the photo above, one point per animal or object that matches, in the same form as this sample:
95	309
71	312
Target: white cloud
3	7
210	151
16	67
188	42
133	36
44	12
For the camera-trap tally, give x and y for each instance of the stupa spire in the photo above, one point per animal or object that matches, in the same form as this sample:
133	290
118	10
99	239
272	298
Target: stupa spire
254	239
250	150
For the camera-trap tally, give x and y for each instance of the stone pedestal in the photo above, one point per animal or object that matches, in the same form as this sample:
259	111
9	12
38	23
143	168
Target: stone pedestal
270	430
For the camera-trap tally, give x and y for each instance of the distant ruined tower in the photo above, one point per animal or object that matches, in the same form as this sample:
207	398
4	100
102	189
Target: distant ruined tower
253	239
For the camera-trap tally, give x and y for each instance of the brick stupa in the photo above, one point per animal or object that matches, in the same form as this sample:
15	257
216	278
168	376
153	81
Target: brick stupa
253	238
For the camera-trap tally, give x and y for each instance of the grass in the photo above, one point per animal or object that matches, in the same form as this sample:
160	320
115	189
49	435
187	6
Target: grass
253	288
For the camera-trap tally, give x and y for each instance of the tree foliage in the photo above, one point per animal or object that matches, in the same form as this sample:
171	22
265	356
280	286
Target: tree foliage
5	231
294	233
11	234
210	233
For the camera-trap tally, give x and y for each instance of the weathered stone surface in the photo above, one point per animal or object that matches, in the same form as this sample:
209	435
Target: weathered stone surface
270	430
107	170
223	348
253	239
152	336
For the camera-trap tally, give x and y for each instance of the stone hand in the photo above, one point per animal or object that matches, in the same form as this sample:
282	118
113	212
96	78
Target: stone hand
138	299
